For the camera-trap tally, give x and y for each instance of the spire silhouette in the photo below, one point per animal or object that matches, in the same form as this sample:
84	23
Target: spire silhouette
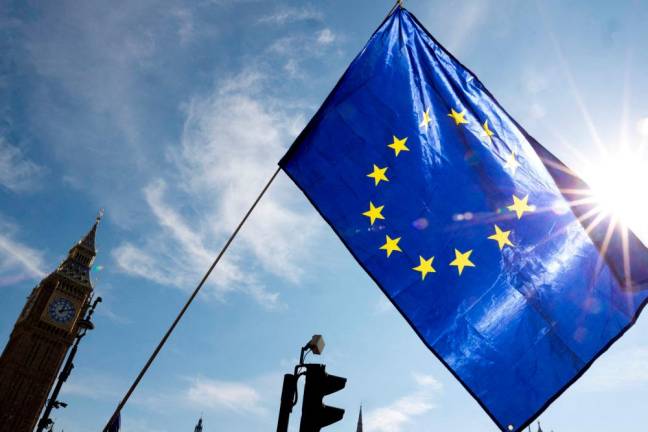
199	426
76	265
359	428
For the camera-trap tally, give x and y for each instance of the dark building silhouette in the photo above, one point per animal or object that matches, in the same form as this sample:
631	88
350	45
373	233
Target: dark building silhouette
42	336
539	428
199	427
359	427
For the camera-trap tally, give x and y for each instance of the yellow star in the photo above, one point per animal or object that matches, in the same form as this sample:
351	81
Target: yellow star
520	206
426	119
462	260
458	117
501	237
378	174
511	163
391	245
374	213
398	145
425	267
489	133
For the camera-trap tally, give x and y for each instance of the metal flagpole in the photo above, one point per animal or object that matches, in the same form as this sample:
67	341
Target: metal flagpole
186	306
398	3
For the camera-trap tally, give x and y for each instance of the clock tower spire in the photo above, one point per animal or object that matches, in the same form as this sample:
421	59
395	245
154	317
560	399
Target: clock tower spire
42	336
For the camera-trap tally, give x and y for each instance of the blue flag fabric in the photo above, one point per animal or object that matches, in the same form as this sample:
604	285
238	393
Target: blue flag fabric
492	250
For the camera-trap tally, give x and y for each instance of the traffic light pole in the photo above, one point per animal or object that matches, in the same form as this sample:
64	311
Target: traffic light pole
288	393
315	415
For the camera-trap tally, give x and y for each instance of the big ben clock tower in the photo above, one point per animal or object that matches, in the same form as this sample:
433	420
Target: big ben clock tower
42	335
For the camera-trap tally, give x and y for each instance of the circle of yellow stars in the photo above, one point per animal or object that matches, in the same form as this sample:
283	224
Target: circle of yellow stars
462	259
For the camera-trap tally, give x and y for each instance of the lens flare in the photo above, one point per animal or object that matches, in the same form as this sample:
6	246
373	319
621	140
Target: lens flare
618	182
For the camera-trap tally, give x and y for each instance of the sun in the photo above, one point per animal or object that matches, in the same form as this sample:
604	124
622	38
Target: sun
619	187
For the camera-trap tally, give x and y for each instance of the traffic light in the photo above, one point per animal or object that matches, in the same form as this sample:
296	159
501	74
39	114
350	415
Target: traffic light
316	415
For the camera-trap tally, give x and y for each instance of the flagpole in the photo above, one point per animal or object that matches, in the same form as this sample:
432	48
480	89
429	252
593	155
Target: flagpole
188	303
399	3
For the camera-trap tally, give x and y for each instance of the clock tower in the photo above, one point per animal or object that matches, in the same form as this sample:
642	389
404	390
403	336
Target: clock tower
42	335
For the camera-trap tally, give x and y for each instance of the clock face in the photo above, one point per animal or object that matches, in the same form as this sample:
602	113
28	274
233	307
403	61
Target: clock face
61	310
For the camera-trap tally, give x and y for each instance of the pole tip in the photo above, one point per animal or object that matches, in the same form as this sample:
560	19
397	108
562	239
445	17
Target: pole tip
100	214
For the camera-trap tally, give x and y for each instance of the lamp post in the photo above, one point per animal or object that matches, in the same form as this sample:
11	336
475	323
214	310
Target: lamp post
85	324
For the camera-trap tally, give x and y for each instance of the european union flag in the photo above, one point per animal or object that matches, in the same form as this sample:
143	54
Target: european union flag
492	250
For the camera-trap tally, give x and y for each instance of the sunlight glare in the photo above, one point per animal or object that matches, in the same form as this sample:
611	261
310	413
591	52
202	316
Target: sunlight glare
642	127
619	183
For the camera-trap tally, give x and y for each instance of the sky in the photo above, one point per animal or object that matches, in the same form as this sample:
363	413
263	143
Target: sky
172	117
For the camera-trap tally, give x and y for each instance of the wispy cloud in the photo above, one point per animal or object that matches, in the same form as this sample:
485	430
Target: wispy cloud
293	50
183	184
107	308
18	261
139	425
325	36
619	369
17	172
250	399
229	141
395	416
177	255
642	127
287	15
102	60
89	384
186	26
469	18
111	49
224	395
302	45
299	46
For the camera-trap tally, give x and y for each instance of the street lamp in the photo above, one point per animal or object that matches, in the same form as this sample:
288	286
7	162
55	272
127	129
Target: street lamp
85	324
315	345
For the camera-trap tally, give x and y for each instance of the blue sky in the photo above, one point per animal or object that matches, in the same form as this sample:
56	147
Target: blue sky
172	116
